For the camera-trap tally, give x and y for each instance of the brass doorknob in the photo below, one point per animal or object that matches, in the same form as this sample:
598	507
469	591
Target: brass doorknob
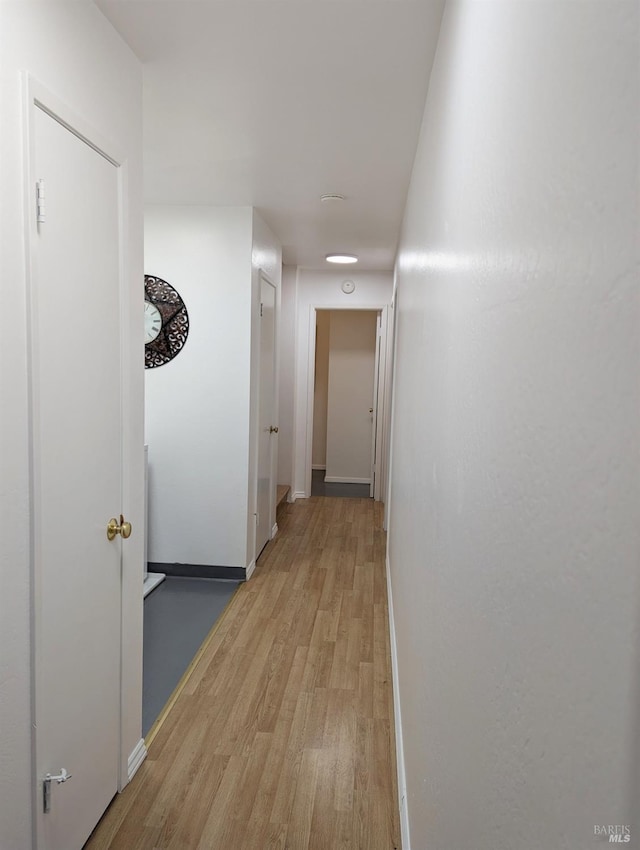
273	429
123	528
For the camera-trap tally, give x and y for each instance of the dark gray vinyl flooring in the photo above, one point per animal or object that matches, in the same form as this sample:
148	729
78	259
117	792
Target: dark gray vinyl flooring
349	491
178	615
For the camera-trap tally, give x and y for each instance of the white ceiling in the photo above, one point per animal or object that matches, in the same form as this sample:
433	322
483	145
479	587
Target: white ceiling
271	103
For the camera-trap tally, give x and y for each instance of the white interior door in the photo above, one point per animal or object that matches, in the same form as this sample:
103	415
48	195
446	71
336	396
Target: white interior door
77	472
267	433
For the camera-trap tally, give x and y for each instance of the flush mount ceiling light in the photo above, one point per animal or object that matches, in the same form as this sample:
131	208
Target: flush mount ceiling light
341	258
331	197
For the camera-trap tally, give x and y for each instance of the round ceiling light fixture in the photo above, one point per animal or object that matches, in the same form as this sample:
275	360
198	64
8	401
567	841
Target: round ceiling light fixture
332	196
341	258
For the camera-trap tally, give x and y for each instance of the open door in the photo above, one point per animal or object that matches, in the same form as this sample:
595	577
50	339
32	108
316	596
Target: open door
267	426
76	464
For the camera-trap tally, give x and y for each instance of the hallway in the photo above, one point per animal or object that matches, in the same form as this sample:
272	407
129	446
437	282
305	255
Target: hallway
283	736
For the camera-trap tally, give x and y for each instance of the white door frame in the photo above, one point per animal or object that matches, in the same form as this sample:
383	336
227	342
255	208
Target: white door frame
383	309
38	97
388	406
381	413
262	275
376	436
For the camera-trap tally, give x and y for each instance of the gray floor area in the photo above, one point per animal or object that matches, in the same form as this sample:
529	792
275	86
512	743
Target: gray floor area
349	491
178	615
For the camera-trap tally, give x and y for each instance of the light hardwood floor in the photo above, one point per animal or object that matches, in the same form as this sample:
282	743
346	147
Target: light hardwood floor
283	736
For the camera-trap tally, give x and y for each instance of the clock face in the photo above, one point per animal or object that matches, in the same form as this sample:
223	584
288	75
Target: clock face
152	322
166	322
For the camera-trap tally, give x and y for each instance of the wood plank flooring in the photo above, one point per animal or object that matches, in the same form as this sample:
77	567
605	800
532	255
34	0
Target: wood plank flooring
283	736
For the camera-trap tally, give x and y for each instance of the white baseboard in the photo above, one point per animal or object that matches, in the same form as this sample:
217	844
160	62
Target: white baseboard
402	779
151	581
274	530
337	479
250	569
318	466
299	494
136	758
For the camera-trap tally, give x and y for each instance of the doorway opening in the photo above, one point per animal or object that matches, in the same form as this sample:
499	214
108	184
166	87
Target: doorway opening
347	415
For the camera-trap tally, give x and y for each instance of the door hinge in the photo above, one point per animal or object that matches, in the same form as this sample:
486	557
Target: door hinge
61	777
40	206
261	306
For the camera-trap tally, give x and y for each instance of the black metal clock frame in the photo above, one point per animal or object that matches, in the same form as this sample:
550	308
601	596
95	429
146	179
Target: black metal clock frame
175	322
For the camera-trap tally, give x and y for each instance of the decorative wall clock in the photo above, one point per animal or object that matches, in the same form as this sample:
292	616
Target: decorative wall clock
166	322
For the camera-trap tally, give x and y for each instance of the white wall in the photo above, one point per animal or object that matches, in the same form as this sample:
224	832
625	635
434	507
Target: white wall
321	289
321	389
72	50
198	405
514	522
352	350
286	361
